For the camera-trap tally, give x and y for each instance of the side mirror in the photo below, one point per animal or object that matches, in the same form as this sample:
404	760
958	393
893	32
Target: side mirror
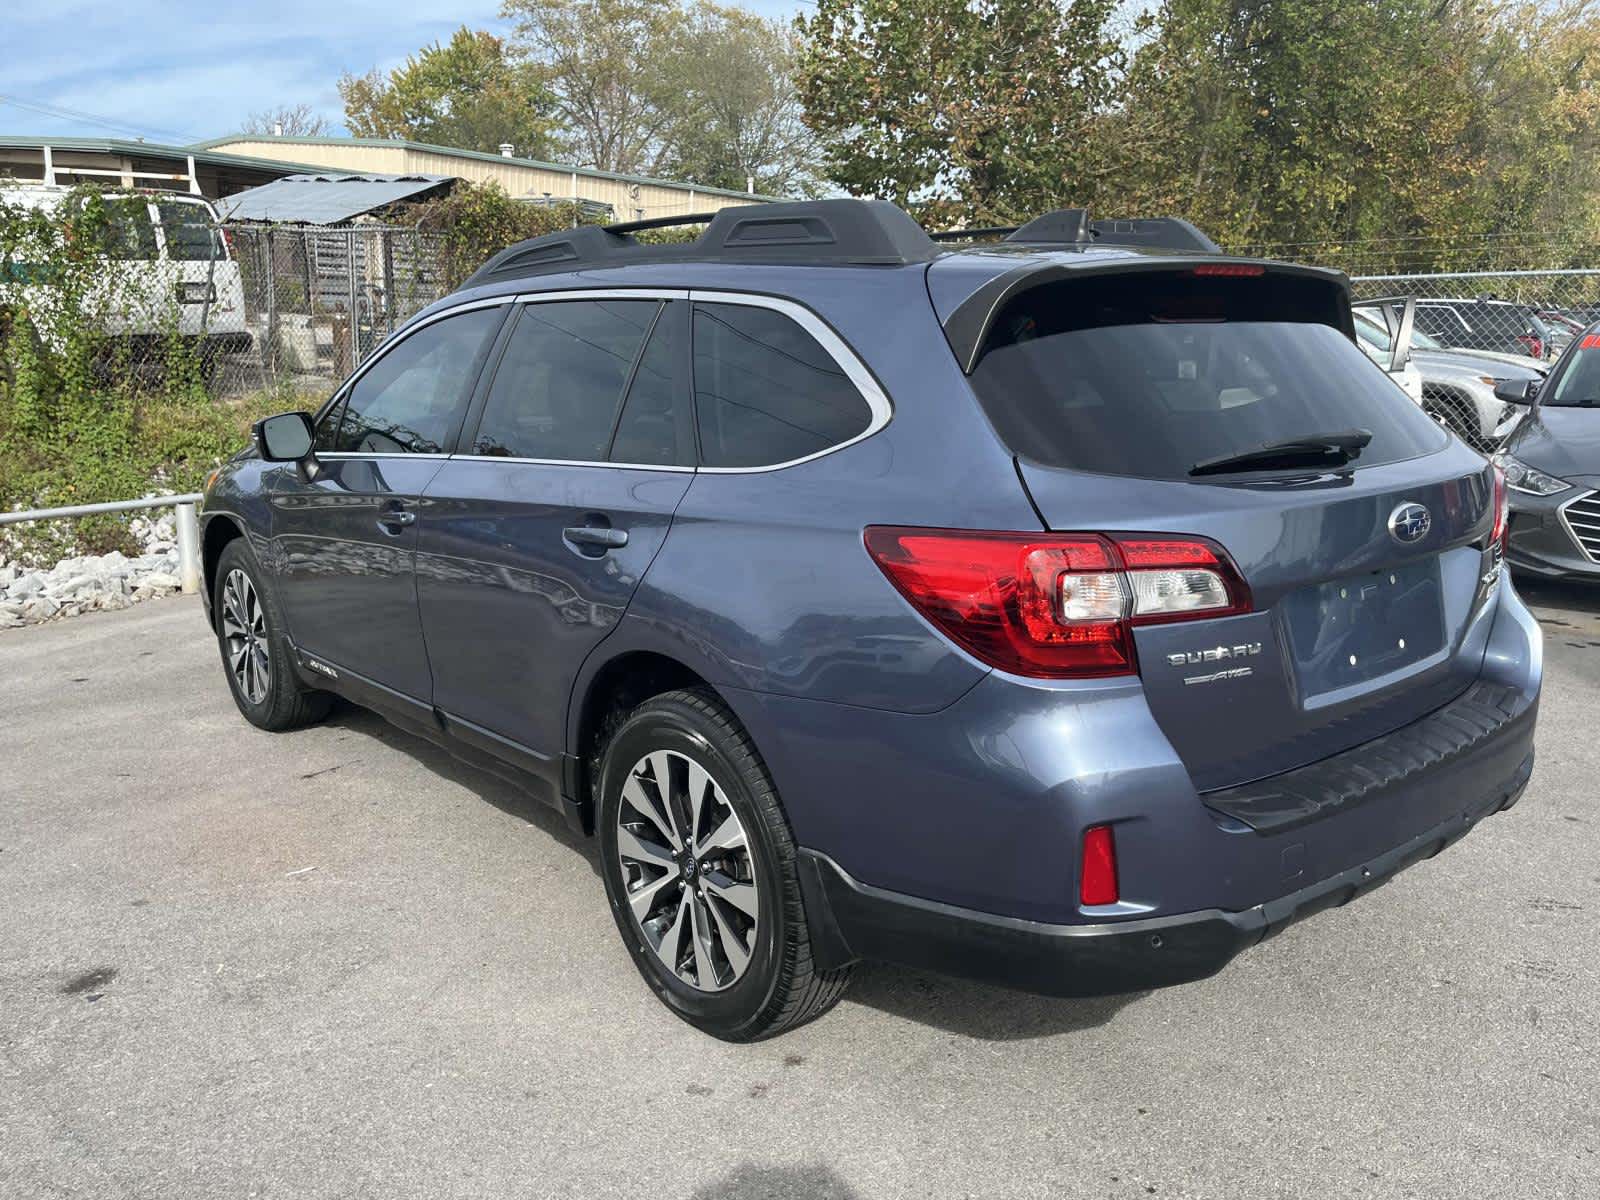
1516	391
287	437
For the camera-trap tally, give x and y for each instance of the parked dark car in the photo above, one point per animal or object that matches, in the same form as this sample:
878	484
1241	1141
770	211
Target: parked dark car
1552	466
1070	612
1486	324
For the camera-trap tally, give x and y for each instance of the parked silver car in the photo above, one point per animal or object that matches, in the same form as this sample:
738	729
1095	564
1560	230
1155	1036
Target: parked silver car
1458	385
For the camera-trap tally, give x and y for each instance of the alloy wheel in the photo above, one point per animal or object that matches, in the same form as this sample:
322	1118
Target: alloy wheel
687	872
244	634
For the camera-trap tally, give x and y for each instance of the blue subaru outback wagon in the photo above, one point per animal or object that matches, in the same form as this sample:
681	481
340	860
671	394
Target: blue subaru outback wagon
1070	611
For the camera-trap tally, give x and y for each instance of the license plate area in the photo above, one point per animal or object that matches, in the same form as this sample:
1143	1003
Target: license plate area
1363	627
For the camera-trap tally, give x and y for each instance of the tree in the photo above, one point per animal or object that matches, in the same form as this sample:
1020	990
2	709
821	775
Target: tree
973	110
607	63
1375	134
1300	121
291	120
736	115
467	94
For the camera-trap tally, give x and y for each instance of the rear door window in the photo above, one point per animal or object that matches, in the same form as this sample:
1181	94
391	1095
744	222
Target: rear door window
656	427
558	388
1443	323
1151	374
766	392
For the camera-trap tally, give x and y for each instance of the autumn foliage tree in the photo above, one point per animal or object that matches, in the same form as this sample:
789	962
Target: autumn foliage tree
467	93
970	110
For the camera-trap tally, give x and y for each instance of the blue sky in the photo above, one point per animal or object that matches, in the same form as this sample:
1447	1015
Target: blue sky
177	72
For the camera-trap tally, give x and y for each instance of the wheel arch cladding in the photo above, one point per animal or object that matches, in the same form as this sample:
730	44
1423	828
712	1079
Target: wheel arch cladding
219	531
604	696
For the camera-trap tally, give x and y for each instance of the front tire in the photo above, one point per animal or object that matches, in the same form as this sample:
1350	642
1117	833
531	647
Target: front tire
255	651
699	867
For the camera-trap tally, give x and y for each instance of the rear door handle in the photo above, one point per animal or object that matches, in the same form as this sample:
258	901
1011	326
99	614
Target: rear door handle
397	519
596	535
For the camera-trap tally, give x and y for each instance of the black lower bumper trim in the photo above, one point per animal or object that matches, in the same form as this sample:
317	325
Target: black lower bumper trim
1489	722
852	920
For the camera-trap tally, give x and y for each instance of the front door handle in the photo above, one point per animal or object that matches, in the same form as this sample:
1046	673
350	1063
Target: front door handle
602	536
397	519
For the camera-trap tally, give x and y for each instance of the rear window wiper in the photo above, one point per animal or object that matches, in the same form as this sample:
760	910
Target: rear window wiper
1313	450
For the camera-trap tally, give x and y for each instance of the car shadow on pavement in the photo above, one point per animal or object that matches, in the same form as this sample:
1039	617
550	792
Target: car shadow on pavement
749	1182
1570	594
977	1010
953	1005
503	794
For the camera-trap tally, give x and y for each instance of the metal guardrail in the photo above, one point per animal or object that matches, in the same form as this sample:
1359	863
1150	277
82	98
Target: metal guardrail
188	525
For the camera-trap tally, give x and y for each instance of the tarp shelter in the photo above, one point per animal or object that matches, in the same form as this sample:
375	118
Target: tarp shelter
329	199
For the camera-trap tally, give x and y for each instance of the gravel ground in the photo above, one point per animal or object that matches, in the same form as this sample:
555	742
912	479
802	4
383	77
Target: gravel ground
336	963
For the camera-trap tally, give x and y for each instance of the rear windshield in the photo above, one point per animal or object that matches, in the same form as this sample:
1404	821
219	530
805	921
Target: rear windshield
1150	374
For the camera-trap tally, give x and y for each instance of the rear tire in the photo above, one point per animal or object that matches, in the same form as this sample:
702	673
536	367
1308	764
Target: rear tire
707	881
255	652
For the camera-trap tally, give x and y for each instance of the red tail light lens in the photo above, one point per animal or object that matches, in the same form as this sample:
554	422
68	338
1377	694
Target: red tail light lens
1097	877
1533	342
1502	510
1055	606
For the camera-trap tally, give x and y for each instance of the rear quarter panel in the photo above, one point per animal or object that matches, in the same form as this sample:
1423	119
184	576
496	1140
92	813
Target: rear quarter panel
764	583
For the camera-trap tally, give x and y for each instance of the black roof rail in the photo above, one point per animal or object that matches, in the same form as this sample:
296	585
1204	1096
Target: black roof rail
1072	227
982	231
1162	233
659	222
1066	226
804	233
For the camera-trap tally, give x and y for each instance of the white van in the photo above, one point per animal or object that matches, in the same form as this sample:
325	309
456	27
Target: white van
175	269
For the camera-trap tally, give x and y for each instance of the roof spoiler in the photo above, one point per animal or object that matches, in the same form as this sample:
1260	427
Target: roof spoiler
967	328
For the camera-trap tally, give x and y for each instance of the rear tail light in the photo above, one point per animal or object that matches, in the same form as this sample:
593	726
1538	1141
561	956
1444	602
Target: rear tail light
1502	511
1056	606
1533	342
1097	875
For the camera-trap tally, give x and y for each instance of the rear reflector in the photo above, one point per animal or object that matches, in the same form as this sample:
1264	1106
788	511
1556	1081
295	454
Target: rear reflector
1097	880
1055	606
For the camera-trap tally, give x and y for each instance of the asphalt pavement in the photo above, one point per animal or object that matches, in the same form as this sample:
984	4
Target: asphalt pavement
338	963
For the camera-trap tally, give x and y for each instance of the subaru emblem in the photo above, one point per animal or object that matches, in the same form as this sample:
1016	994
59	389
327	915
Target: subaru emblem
1409	523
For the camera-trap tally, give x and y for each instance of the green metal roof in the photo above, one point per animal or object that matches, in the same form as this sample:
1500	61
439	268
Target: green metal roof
201	153
480	156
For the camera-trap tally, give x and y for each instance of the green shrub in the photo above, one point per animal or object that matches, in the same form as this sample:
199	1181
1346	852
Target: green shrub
83	418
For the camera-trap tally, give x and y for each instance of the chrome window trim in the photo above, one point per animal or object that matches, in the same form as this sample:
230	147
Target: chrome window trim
1566	523
603	293
569	462
379	454
837	348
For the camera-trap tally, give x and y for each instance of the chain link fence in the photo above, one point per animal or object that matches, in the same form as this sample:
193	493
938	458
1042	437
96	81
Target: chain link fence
1473	328
317	301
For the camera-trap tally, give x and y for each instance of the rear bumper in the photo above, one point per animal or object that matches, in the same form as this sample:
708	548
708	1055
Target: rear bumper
851	920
